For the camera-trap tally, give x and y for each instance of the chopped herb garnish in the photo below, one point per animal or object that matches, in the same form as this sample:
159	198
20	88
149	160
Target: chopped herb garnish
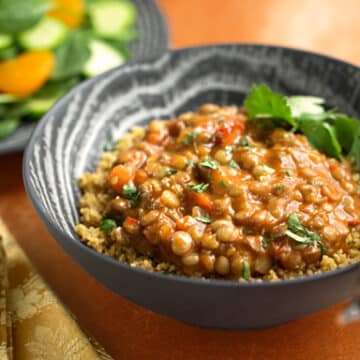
186	140
229	149
190	163
204	219
222	183
278	187
244	142
246	270
132	194
200	188
189	138
107	224
301	235
233	164
172	171
265	243
209	164
287	172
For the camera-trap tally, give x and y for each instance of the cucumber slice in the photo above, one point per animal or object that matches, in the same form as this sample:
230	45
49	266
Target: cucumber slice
103	57
5	41
112	18
40	106
47	34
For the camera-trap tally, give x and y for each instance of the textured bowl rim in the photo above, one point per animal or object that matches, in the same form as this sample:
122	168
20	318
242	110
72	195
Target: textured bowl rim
159	275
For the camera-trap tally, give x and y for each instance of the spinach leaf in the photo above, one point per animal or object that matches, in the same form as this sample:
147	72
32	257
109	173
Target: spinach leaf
19	15
71	56
346	128
321	135
8	126
262	102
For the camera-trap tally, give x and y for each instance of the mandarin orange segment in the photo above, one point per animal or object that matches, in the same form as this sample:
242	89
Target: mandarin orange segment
70	12
27	73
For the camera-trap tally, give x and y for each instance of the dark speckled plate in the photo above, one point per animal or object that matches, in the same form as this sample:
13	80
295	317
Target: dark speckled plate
71	137
153	40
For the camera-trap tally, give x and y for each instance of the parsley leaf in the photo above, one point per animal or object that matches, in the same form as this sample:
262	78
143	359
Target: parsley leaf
262	102
222	183
209	164
200	188
345	128
300	234
172	172
305	105
233	164
244	142
132	194
107	224
204	219
190	163
321	135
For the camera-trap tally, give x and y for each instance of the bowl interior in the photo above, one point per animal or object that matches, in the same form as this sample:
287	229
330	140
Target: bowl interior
72	137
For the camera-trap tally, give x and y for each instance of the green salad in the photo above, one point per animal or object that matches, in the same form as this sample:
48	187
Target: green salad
48	46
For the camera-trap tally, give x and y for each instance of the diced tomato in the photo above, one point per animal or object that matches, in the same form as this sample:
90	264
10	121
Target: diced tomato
130	221
158	137
230	130
185	222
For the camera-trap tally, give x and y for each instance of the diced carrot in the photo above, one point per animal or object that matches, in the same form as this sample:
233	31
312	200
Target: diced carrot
119	176
230	130
140	177
70	12
203	200
27	73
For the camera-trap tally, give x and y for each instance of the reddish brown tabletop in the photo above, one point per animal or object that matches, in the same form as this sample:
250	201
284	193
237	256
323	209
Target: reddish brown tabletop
129	332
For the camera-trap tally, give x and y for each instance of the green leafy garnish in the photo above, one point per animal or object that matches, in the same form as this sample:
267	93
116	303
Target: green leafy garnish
333	133
244	142
20	15
209	164
190	163
131	192
204	219
287	173
262	102
222	183
321	135
8	126
278	187
172	171
189	138
233	164
71	56
199	188
301	235
229	149
107	224
265	243
300	105
246	270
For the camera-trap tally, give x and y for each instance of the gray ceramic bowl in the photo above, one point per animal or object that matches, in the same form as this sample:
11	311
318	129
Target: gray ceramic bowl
153	40
71	137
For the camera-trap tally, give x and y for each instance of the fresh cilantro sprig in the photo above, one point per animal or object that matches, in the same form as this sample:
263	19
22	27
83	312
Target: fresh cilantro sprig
301	235
209	164
199	188
131	193
333	133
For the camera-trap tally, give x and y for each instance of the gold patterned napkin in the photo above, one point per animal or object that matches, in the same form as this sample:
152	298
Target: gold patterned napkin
33	322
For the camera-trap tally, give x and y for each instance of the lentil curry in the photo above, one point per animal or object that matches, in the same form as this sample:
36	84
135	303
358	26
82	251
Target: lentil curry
213	194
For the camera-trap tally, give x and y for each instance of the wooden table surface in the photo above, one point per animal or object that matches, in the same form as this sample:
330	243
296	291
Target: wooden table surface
130	332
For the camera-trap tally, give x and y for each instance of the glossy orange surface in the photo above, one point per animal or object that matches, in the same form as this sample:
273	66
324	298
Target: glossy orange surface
129	332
